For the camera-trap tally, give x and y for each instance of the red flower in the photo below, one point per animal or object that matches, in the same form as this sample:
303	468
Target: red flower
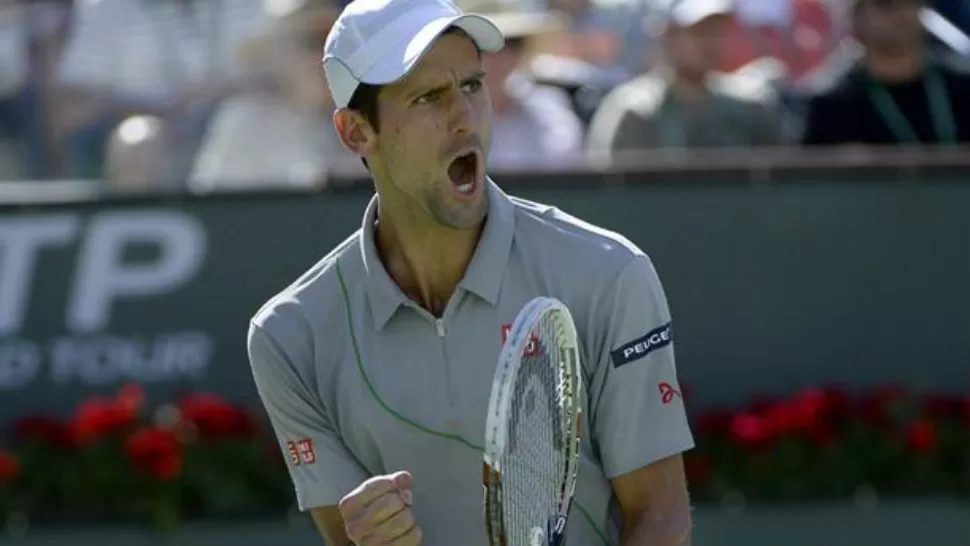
214	417
131	396
42	427
798	414
750	430
9	467
156	452
836	403
809	408
781	418
99	417
697	467
921	436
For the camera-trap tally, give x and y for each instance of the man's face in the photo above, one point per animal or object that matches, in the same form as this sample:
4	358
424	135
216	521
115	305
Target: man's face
696	49
888	26
432	143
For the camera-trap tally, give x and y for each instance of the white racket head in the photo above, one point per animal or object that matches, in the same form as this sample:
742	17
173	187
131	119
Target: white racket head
532	436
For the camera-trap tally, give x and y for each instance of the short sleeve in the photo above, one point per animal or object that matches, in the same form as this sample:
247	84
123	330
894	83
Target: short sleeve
322	468
637	411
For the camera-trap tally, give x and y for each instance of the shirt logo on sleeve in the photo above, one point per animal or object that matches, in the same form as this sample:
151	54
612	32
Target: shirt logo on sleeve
668	393
642	346
301	451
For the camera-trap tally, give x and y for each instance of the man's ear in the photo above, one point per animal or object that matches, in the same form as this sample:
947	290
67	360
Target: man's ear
355	132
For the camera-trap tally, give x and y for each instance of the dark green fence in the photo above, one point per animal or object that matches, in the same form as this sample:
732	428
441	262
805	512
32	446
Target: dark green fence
933	522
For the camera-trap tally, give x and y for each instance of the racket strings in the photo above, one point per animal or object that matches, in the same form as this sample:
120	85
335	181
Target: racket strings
530	480
532	488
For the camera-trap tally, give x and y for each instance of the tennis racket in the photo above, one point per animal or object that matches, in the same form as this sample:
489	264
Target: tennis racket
532	432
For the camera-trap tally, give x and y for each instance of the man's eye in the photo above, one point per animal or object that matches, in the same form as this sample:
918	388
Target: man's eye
426	98
473	86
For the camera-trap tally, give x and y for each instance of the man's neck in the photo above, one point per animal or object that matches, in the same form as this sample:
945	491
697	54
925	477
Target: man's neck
427	260
899	67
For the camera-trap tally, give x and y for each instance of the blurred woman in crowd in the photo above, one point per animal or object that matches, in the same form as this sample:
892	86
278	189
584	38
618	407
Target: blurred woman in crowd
279	133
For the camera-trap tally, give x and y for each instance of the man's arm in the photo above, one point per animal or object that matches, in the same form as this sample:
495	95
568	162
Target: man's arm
638	416
322	468
655	504
331	525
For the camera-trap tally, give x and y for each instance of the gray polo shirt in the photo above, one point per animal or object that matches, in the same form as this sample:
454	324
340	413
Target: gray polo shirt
358	380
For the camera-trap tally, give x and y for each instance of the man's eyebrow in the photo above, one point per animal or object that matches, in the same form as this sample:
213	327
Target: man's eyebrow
433	87
425	89
475	75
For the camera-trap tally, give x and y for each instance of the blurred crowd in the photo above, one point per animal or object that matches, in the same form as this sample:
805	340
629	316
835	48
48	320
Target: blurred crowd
203	95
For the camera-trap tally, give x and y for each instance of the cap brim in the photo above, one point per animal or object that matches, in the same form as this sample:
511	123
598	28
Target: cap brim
397	64
685	16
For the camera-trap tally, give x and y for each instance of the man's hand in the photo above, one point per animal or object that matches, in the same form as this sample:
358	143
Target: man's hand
379	512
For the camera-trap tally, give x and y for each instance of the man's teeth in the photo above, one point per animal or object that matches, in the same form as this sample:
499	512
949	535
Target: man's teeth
466	188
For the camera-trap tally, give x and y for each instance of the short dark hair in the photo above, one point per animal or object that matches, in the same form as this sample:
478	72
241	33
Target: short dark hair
364	101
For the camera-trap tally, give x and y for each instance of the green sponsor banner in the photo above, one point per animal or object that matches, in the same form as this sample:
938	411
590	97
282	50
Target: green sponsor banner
772	287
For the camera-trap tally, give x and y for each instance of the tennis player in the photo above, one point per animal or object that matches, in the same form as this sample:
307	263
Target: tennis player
375	366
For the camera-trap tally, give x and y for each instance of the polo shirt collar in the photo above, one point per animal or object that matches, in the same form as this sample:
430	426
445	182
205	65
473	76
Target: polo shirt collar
482	278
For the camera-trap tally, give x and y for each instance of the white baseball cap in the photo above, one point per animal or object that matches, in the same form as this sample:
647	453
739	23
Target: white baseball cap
379	41
687	13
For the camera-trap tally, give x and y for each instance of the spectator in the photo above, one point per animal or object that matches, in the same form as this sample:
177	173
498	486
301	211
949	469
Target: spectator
532	124
137	156
31	34
595	37
170	58
683	103
13	72
895	92
799	33
291	109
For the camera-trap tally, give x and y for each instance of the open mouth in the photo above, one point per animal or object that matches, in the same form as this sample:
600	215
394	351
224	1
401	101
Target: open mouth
463	173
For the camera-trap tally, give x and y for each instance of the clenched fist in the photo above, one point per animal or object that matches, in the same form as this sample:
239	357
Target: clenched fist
379	512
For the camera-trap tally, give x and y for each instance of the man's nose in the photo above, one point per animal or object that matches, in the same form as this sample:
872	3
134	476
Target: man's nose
462	114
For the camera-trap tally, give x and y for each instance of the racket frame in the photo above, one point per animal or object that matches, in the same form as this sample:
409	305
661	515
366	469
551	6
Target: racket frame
497	421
